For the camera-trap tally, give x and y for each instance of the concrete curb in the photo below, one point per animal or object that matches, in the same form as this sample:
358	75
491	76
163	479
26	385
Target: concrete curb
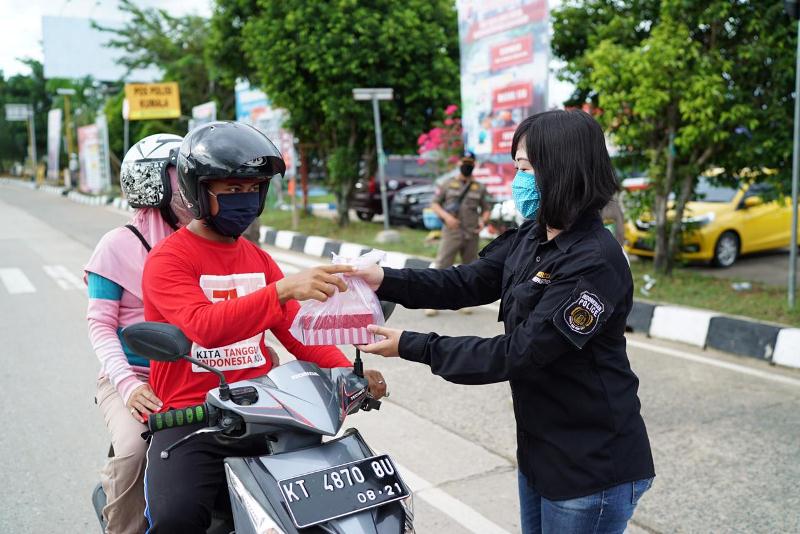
700	328
774	343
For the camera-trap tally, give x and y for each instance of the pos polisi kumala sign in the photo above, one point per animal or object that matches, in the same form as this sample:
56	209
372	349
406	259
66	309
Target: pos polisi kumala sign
153	101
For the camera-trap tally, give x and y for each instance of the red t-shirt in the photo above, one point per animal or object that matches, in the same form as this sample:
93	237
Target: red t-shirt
223	297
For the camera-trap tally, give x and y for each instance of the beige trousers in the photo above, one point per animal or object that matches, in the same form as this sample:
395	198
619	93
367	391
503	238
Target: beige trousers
123	475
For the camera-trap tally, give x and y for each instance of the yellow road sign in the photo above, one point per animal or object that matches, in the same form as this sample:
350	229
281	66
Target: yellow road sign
153	101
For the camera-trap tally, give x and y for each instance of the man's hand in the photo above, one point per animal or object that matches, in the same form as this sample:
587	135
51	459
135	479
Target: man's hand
452	222
372	275
143	402
319	283
377	385
389	347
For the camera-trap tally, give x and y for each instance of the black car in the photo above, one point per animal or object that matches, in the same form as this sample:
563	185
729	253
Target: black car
408	203
401	172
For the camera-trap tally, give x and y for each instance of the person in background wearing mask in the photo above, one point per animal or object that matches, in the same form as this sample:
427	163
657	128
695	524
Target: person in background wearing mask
223	292
114	279
566	289
464	207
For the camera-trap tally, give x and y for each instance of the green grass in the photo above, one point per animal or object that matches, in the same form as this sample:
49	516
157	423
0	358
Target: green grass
762	302
411	242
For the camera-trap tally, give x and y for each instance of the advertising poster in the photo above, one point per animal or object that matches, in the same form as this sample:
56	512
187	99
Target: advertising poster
202	114
89	154
53	143
254	107
505	53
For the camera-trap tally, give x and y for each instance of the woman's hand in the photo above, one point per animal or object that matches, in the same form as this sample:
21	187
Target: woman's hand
377	385
319	283
372	275
143	402
389	347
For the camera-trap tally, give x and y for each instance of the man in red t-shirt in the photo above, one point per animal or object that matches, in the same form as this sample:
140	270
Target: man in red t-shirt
223	293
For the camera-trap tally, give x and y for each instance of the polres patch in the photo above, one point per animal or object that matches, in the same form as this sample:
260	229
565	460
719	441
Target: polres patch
583	314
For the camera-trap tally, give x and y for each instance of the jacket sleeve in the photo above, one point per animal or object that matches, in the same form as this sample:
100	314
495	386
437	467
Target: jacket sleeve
171	287
450	289
570	313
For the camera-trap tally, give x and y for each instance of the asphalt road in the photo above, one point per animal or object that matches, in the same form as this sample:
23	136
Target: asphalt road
726	439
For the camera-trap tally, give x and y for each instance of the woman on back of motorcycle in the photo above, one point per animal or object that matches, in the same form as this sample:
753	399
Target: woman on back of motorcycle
565	290
114	279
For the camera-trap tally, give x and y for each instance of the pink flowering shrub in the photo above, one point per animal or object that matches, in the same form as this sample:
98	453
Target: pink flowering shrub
444	143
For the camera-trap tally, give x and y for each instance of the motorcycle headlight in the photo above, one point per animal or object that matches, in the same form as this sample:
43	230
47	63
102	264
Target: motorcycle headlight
700	220
411	199
262	522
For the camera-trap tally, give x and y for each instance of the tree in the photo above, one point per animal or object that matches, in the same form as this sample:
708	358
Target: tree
177	46
690	84
308	57
24	89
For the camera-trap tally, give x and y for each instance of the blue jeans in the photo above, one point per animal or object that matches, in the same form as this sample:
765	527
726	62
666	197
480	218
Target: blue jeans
605	512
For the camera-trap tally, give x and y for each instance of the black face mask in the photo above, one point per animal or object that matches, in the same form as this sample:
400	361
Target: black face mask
466	170
236	212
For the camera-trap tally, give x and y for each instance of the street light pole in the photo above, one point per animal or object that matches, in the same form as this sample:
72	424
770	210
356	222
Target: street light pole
792	9
376	94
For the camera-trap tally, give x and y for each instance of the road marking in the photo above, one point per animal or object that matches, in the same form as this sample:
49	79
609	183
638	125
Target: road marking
15	281
466	516
65	278
715	363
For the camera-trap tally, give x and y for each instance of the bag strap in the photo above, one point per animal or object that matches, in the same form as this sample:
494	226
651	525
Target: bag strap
461	196
138	234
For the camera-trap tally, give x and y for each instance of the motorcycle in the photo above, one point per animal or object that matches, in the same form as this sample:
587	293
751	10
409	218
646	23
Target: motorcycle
304	485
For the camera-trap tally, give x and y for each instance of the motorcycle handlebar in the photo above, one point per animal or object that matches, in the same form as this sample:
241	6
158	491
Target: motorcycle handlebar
180	417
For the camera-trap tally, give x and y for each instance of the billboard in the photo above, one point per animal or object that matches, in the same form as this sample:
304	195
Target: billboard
254	107
73	49
203	114
153	101
505	57
93	154
53	143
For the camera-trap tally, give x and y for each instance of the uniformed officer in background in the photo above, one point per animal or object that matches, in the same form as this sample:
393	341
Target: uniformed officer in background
464	207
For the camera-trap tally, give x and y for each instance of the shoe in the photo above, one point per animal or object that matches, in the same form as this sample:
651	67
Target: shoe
431	313
465	311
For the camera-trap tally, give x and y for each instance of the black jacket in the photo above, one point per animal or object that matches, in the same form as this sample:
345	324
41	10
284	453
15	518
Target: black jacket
564	304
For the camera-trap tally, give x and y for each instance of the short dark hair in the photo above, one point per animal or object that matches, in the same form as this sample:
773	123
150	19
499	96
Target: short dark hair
567	150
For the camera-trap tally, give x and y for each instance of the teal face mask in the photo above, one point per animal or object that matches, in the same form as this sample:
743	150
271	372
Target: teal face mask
525	194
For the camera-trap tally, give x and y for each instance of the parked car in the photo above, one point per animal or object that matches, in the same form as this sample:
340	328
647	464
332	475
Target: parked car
721	223
408	203
401	172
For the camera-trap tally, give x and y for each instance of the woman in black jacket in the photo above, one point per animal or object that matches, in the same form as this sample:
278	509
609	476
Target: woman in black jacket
565	290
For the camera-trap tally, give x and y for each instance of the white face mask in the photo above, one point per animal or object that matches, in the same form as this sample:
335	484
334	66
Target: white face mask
177	203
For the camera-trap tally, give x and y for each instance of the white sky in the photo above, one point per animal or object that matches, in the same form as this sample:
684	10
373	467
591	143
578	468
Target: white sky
21	22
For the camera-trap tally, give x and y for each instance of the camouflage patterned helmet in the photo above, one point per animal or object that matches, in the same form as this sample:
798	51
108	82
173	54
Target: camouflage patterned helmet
143	176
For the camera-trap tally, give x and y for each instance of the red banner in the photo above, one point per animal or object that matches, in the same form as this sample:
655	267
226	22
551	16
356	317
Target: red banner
518	95
512	53
501	140
512	18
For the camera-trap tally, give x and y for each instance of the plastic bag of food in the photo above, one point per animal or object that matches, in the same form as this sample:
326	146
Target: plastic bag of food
343	318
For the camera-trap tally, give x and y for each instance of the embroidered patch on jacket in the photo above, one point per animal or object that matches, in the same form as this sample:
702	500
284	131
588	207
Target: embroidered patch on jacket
541	278
583	314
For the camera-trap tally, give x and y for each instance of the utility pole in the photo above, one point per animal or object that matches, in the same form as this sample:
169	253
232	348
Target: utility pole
67	93
793	9
376	94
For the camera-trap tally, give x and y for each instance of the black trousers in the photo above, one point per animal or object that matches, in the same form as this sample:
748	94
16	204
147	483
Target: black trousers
180	491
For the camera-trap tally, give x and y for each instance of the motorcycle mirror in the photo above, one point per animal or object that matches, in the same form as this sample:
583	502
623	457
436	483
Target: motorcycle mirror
157	341
387	308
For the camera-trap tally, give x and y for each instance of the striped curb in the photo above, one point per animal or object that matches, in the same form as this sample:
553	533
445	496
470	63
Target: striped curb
787	348
700	328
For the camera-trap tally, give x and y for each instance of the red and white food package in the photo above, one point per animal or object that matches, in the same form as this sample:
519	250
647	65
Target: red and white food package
343	318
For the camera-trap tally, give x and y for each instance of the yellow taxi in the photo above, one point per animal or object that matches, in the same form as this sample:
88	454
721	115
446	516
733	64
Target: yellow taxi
721	224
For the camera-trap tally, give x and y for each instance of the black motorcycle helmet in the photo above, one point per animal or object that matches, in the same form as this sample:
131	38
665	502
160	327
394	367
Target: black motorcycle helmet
225	149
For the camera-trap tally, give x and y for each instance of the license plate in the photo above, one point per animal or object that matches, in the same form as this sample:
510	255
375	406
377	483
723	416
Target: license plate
339	491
